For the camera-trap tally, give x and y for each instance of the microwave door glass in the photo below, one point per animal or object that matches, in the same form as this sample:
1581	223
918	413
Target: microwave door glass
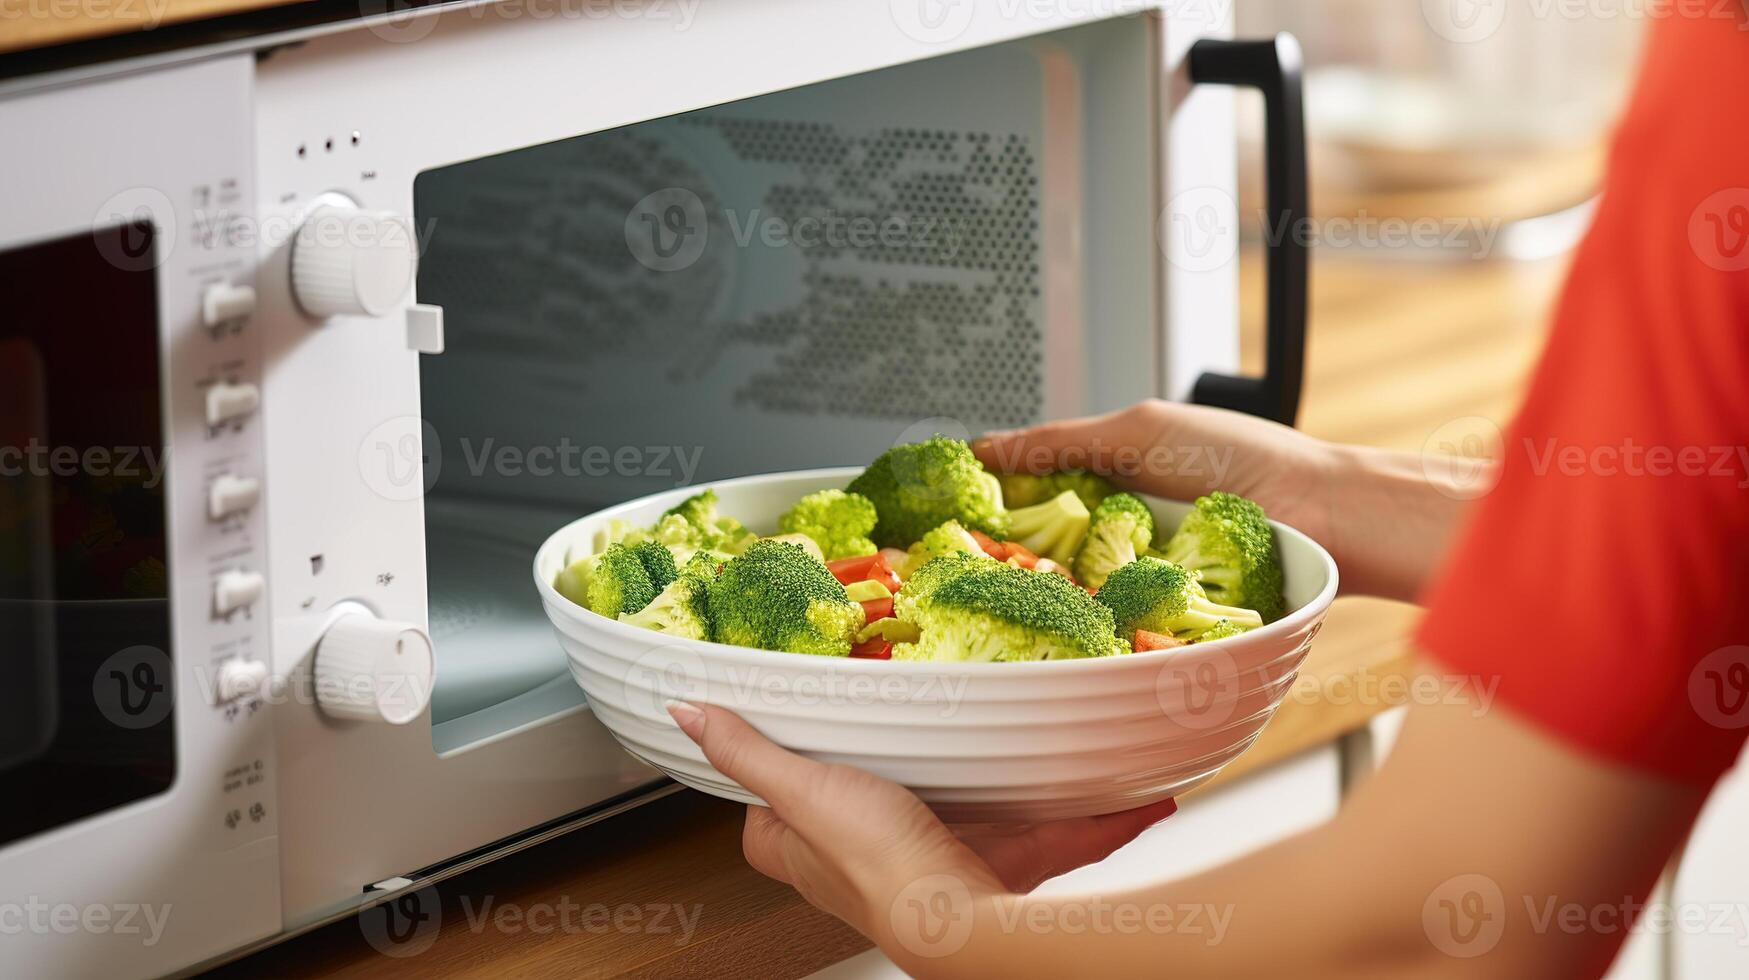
768	285
85	713
795	280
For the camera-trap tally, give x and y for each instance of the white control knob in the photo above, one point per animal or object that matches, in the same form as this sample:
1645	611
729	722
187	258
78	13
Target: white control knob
238	678
231	494
373	669
350	262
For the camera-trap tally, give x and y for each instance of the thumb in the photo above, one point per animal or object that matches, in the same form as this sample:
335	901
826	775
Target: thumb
737	750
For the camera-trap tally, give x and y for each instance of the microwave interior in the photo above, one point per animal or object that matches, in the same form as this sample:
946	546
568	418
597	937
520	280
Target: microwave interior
796	280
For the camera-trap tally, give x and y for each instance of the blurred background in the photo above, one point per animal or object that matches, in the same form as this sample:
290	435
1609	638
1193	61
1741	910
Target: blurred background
1456	146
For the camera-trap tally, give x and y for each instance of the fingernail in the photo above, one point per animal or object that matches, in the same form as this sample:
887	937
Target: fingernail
687	716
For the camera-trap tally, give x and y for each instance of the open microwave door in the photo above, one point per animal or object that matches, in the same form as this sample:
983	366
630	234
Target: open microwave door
28	710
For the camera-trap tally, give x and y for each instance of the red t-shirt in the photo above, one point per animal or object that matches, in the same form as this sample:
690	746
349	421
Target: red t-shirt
1605	580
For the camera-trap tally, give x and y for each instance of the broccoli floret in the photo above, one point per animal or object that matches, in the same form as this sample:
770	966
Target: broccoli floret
949	539
679	536
658	563
920	486
617	531
776	596
683	608
700	509
1161	597
993	611
1053	529
718	532
1227	541
840	523
803	542
1219	631
922	580
1026	489
613	582
1120	530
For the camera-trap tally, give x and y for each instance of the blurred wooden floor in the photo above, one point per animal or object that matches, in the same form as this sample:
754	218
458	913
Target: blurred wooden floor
1395	349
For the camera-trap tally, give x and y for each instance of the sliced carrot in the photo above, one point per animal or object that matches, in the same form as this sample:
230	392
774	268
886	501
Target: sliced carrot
1019	554
992	547
1146	640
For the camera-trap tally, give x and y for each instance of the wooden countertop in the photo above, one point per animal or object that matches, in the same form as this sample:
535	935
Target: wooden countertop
1397	349
53	22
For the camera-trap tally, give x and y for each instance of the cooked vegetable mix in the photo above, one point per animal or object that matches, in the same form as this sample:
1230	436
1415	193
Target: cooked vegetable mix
978	609
918	487
683	608
1120	530
776	596
1155	595
1052	529
1227	541
839	522
928	556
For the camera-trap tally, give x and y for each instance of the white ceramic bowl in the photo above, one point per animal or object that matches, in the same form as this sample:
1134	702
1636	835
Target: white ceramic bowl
978	742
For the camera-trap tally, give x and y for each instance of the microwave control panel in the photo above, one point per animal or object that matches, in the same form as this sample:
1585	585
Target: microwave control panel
157	169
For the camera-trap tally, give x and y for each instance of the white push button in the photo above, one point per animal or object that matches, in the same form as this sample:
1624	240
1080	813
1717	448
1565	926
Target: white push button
238	678
223	302
227	402
231	494
237	589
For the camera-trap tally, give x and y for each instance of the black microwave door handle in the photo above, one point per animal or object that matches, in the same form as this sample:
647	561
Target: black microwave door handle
1273	67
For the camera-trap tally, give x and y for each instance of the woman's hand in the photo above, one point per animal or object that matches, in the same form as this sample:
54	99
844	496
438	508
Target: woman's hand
855	845
1383	515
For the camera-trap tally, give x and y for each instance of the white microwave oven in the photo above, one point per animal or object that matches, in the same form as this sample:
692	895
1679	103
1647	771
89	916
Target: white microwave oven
310	332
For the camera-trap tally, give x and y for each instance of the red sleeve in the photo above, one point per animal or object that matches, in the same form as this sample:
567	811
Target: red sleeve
1604	582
